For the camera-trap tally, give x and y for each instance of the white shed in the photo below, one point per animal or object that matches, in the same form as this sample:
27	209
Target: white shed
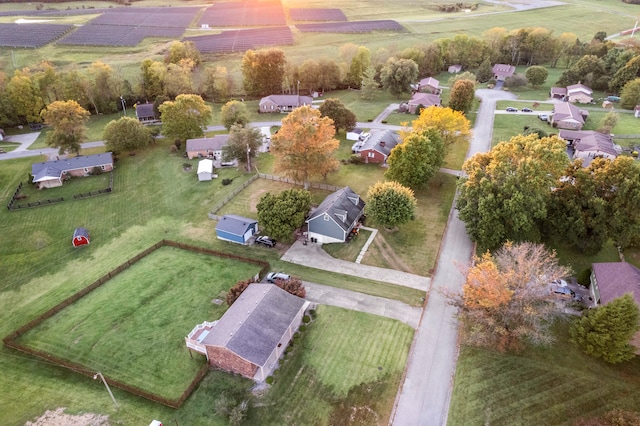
205	169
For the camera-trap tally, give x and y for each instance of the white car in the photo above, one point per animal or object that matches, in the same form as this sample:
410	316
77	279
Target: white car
273	276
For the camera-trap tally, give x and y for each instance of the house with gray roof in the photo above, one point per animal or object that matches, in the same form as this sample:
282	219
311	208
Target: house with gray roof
236	229
49	174
146	113
336	217
253	334
424	100
589	144
377	148
283	103
502	71
207	147
568	116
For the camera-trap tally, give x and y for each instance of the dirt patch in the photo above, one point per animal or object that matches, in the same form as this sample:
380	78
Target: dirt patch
199	234
255	199
57	417
394	261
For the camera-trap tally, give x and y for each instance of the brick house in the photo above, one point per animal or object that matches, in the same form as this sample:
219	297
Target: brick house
579	93
589	144
283	103
50	174
377	148
502	71
424	99
568	116
253	334
207	147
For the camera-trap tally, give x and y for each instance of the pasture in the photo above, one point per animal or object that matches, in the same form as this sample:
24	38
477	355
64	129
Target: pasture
132	327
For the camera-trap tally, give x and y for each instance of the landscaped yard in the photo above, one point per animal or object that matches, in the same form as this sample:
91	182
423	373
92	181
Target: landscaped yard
74	186
132	328
549	385
348	251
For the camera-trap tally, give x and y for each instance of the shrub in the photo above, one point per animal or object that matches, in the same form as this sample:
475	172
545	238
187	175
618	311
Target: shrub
635	154
173	149
236	290
356	159
584	277
302	328
292	286
306	319
313	313
226	182
269	380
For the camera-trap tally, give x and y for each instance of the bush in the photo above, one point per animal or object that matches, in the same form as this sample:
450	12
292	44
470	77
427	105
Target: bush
226	182
356	159
269	380
635	154
584	277
313	313
306	319
302	328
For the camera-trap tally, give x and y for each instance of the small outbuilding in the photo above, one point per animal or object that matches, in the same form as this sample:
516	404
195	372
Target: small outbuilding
236	229
205	169
80	237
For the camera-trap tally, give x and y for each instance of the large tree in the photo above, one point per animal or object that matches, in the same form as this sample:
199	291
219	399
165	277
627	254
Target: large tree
507	189
25	96
453	126
397	75
630	95
305	146
68	121
588	70
126	134
606	331
359	63
343	118
417	159
281	214
243	144
504	303
185	117
462	94
234	113
536	75
391	204
369	84
263	71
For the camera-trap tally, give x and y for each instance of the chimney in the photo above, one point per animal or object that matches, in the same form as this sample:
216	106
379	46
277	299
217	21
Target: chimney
382	143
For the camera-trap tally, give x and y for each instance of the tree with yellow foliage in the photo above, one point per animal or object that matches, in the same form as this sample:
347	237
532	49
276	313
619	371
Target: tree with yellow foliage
68	121
505	301
452	125
305	146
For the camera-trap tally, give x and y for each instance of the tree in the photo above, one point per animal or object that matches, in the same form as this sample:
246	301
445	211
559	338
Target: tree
627	73
152	74
609	122
484	72
397	75
467	75
67	118
630	95
281	214
359	63
25	96
453	126
417	159
507	190
179	50
536	75
185	117
236	291
234	113
504	303
515	81
369	84
177	78
243	144
342	117
606	331
462	94
292	286
125	134
588	70
263	71
391	204
304	146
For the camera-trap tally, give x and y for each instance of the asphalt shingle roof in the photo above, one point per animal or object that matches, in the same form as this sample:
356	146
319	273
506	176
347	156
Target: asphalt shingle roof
54	169
215	143
615	279
342	202
234	224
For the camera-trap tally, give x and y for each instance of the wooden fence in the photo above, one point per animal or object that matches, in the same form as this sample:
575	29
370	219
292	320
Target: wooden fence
11	339
229	197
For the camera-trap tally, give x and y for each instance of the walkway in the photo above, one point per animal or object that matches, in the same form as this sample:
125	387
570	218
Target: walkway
374	232
313	256
356	301
424	396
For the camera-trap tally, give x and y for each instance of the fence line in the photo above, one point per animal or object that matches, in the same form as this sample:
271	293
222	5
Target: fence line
10	339
230	196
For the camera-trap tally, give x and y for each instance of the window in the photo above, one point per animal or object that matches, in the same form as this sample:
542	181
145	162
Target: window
86	170
371	154
326	217
102	167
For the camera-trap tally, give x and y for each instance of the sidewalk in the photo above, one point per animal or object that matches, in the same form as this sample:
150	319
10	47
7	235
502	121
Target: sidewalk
313	256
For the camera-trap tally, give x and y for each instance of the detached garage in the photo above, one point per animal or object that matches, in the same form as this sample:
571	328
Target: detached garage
236	229
205	169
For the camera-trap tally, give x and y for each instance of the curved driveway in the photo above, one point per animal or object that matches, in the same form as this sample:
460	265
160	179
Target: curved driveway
423	398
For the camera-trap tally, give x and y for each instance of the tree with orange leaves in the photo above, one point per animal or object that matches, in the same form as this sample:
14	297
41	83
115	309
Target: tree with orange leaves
304	146
452	125
506	302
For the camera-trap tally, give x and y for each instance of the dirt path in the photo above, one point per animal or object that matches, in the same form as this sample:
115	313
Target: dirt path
389	255
57	417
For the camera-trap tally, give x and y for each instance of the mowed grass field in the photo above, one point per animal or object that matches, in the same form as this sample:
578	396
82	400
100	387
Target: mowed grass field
551	386
345	370
132	328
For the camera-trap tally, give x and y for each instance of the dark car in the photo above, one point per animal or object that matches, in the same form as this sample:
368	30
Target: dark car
526	110
512	109
563	292
273	276
266	241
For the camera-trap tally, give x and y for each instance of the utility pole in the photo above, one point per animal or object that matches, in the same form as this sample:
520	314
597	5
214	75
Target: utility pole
95	377
248	158
124	108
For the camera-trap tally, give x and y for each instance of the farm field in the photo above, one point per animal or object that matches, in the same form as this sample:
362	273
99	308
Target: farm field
132	327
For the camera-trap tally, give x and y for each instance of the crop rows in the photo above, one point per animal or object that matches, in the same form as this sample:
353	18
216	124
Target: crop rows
243	14
317	15
241	40
31	35
351	27
117	35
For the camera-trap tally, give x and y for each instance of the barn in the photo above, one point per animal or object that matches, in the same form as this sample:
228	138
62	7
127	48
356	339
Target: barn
236	229
80	237
253	334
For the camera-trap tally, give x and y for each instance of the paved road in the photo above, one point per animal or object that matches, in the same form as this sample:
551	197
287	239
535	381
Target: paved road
347	299
424	396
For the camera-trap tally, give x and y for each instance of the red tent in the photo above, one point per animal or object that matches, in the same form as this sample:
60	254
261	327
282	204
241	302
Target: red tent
80	237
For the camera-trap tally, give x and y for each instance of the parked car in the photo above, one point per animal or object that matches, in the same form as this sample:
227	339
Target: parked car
526	110
512	109
563	292
560	283
228	163
273	276
357	147
266	241
543	117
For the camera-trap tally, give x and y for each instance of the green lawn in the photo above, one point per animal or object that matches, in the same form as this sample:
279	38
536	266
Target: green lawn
541	386
74	186
348	251
144	312
346	370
